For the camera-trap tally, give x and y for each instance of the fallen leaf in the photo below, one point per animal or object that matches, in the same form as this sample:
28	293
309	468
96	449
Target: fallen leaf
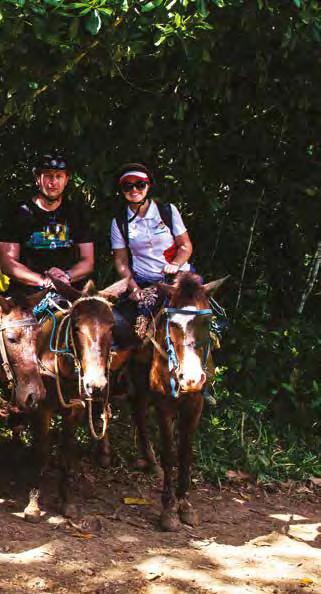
306	581
137	501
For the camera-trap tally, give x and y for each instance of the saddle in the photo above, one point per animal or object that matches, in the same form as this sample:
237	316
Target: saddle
133	320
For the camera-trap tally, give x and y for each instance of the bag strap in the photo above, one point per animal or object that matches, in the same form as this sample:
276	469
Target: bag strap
165	213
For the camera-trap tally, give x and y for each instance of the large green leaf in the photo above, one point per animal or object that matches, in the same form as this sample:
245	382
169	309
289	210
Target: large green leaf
93	22
151	5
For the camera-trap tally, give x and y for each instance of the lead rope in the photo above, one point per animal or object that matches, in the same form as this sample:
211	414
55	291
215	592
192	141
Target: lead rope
75	402
81	386
105	415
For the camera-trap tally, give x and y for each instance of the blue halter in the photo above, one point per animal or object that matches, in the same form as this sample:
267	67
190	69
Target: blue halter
43	308
173	364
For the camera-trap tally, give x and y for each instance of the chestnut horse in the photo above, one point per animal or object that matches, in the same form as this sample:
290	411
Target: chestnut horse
75	367
176	379
20	373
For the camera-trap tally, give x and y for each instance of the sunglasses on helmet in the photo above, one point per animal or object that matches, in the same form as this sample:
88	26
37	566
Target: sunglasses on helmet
139	185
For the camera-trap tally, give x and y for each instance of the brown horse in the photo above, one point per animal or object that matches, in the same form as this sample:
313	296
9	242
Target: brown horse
20	373
76	374
177	376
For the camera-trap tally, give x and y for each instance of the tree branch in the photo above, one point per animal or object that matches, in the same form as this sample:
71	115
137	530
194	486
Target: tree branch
249	245
58	76
311	278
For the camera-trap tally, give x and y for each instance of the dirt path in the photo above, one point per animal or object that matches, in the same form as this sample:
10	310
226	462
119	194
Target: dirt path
250	541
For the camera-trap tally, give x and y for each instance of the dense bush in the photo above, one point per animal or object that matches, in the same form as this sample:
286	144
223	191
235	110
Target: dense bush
222	99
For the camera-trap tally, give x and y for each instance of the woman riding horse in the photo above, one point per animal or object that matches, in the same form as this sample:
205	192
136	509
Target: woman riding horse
149	239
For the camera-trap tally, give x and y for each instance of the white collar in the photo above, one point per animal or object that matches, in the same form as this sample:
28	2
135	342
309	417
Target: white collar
151	212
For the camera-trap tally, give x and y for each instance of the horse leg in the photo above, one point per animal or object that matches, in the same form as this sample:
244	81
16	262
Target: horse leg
189	417
40	428
168	518
140	402
68	464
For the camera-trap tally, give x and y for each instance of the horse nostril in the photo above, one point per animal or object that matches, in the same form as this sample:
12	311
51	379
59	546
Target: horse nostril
89	389
181	376
32	401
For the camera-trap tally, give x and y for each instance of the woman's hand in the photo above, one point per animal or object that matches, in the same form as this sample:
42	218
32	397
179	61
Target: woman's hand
171	268
136	294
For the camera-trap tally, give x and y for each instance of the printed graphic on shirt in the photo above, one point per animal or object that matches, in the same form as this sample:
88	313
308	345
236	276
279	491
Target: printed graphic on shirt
160	228
53	235
132	231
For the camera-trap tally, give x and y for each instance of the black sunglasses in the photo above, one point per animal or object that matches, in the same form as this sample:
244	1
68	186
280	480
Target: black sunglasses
139	185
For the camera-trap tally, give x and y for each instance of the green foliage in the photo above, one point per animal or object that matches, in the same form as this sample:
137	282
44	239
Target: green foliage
221	98
268	413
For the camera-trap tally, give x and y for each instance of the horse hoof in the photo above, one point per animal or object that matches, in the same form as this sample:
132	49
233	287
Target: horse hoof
188	515
32	514
169	521
70	510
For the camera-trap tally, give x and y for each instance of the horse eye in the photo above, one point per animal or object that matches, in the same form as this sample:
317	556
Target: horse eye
12	339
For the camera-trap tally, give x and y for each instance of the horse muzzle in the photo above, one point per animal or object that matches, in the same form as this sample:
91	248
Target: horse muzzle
188	384
28	400
95	387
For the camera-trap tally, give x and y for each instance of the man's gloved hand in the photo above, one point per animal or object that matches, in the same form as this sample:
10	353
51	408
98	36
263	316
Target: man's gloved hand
59	275
46	283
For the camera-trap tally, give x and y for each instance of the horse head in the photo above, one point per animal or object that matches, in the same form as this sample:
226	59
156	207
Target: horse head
91	323
184	331
18	346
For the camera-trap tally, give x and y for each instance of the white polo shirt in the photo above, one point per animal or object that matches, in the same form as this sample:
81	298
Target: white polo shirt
148	239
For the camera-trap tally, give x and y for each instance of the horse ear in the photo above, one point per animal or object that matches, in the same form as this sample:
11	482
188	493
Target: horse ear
114	290
89	289
66	291
6	305
167	290
214	285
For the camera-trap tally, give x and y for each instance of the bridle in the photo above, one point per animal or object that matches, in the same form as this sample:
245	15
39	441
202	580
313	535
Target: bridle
65	326
169	352
7	367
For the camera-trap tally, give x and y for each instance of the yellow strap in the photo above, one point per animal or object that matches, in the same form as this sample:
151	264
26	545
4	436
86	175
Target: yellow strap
4	282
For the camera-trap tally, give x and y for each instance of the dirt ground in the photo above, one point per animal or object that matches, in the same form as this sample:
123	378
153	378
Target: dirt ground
251	539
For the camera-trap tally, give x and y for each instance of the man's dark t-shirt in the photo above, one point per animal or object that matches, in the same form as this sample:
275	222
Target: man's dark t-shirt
47	239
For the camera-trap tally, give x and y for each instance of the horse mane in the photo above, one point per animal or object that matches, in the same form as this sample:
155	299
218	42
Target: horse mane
188	286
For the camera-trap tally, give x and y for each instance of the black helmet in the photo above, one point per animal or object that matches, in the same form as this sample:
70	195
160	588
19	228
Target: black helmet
50	161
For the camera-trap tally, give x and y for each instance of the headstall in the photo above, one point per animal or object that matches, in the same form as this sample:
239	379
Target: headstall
11	325
173	364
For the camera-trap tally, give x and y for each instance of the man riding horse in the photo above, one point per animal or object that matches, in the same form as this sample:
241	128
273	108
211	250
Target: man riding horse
48	234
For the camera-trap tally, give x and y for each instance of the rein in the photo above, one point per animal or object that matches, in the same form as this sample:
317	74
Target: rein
3	351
